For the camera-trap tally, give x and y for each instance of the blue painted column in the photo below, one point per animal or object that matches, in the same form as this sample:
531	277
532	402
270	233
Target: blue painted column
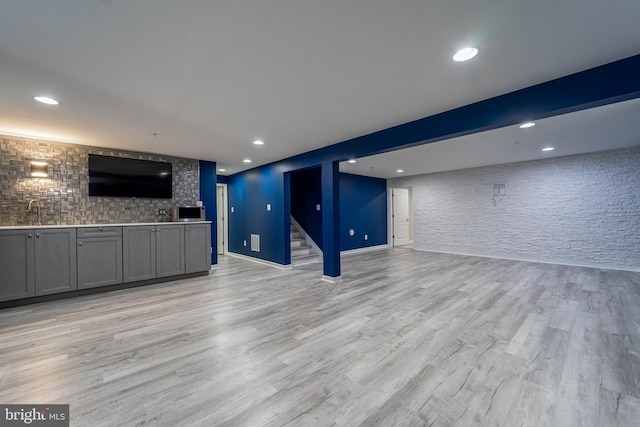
208	181
331	221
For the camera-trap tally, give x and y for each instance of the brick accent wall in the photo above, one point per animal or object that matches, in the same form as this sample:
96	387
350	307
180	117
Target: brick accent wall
582	209
64	194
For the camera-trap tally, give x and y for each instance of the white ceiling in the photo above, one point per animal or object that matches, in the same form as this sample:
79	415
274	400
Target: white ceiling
209	77
597	129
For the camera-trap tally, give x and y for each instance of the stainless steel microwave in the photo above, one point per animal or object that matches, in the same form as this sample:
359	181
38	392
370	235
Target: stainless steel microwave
188	213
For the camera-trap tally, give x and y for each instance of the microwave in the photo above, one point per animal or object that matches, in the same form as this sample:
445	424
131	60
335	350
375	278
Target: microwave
187	213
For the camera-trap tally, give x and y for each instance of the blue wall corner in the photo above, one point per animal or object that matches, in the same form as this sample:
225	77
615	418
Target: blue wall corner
208	180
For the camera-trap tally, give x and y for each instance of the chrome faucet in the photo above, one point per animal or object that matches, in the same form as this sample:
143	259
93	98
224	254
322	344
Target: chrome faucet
37	204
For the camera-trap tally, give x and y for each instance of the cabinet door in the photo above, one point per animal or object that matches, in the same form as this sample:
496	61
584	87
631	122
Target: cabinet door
170	250
198	247
139	253
55	260
17	275
99	261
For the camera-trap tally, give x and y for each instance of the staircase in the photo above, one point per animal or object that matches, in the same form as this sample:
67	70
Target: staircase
300	252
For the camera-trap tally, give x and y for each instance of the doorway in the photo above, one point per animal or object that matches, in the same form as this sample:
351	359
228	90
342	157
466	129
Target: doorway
401	216
221	219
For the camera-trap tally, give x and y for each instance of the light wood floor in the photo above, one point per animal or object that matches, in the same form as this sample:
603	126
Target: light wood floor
408	338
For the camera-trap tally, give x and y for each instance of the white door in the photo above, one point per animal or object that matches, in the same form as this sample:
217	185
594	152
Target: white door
220	218
400	216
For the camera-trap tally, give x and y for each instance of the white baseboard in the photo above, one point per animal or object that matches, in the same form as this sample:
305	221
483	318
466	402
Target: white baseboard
367	249
331	279
570	264
260	261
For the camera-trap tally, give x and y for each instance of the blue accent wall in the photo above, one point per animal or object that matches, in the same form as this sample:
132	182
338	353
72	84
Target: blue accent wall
208	181
249	194
363	208
252	189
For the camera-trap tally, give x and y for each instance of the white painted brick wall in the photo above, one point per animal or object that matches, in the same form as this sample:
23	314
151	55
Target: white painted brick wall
589	201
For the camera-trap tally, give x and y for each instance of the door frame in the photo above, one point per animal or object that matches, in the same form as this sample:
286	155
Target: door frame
390	222
225	223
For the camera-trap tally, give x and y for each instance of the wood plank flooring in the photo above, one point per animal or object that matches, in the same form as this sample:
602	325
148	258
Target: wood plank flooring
407	339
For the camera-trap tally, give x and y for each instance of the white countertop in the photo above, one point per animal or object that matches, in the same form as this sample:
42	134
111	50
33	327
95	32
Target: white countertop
31	227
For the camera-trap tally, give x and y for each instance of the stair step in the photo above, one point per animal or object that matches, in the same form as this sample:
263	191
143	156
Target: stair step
296	243
295	234
300	250
305	259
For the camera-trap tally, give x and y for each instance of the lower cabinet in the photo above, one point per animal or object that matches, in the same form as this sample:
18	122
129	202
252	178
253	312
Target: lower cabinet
153	251
37	262
17	264
44	261
55	260
197	247
99	256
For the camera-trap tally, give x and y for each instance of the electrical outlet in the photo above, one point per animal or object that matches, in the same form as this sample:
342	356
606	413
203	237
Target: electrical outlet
245	243
268	206
366	237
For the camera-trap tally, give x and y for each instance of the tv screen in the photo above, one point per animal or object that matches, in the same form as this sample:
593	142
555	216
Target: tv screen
122	177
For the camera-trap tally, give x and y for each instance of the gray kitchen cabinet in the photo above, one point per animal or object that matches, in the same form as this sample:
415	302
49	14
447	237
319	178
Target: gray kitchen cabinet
99	256
17	264
197	247
55	260
170	254
139	253
153	251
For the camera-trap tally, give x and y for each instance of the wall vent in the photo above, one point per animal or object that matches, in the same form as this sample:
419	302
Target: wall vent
255	242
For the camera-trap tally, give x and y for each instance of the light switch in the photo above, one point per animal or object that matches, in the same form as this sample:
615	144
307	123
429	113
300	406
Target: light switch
268	206
232	209
318	207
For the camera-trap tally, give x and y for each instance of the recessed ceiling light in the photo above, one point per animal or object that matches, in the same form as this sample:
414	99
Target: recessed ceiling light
548	149
258	142
527	125
46	100
400	170
38	163
351	160
465	54
222	170
247	160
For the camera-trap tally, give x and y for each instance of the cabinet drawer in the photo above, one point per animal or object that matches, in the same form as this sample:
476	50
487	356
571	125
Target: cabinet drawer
86	232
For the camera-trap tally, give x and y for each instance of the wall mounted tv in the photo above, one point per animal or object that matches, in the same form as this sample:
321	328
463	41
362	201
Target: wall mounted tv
123	177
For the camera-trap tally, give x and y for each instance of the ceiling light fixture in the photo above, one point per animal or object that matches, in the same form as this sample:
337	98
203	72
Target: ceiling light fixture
351	161
258	142
527	125
247	160
400	170
548	149
465	54
46	100
222	170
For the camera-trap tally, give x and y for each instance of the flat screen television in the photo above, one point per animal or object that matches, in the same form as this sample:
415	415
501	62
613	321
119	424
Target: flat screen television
123	177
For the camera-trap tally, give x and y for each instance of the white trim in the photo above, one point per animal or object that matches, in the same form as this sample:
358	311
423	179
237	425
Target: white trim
367	249
260	261
225	228
314	247
570	264
331	279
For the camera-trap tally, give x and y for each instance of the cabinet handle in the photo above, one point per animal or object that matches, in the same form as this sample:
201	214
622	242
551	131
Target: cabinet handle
79	243
38	235
30	235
